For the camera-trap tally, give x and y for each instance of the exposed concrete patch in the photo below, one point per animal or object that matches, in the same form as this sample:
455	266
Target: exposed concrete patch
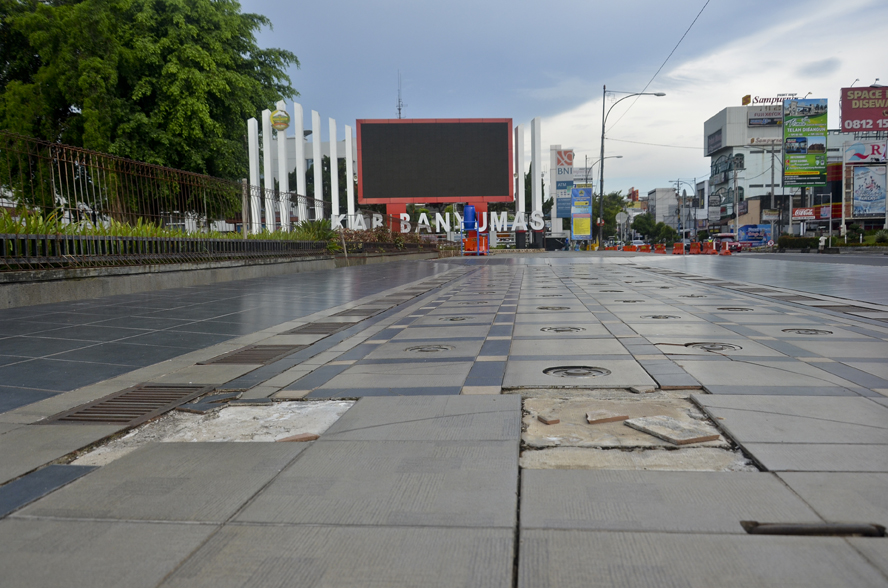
710	459
232	423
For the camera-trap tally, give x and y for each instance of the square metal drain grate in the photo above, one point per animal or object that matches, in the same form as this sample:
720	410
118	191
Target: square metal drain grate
319	329
258	354
132	406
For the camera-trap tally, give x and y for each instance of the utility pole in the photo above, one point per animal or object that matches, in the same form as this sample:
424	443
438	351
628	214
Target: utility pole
736	204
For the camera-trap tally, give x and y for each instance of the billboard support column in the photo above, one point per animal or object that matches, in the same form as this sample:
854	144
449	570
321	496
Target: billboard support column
299	129
536	164
520	185
318	164
268	169
349	179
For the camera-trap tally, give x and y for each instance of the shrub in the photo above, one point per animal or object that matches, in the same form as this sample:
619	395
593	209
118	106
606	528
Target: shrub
881	236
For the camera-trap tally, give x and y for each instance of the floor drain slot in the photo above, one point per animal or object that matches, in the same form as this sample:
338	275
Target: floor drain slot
576	371
660	317
691	296
714	346
562	329
611	290
814	529
132	406
807	331
318	329
474	303
454	319
630	301
359	312
551	295
553	308
734	309
258	354
430	348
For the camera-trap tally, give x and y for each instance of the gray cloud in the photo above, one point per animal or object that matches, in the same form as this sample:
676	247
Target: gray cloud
821	68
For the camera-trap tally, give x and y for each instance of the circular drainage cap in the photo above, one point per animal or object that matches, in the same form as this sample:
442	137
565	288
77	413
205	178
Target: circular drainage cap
576	371
562	329
660	316
630	301
734	309
553	308
691	296
611	290
550	295
429	348
807	331
714	346
473	303
454	319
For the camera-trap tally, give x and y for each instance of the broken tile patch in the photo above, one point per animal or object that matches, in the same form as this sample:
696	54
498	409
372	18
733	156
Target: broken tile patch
271	422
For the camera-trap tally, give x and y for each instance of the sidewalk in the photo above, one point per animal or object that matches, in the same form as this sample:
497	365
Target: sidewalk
442	473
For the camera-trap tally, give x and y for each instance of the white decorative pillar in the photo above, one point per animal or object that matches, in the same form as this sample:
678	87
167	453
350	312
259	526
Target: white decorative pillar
334	173
349	178
299	129
283	173
318	162
536	162
253	146
268	169
519	168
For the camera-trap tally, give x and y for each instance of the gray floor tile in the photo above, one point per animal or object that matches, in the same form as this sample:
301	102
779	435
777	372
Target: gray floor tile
29	488
567	347
876	552
430	418
366	392
265	557
205	482
843	497
438	349
583	559
395	483
32	446
529	374
819	457
686	502
402	375
757	390
769	373
52	553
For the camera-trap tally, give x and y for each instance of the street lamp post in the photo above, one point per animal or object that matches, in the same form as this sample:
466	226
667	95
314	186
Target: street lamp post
604	116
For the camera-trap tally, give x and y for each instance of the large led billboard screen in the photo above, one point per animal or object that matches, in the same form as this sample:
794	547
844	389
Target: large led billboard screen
435	160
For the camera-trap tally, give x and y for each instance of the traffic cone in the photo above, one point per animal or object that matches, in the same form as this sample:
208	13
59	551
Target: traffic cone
725	250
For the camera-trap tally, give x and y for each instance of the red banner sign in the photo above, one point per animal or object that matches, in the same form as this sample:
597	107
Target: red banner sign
864	109
803	214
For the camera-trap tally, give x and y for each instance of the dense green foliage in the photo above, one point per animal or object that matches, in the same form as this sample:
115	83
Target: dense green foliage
654	232
168	82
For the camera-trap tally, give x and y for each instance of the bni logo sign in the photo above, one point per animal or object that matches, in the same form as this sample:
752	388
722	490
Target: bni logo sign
564	158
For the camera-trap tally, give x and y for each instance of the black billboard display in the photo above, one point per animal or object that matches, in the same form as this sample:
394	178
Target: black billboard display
459	160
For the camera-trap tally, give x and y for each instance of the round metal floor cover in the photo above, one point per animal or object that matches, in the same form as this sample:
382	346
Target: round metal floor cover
430	348
488	292
547	287
550	295
630	301
576	371
807	331
714	346
562	329
734	308
454	319
660	317
553	308
611	290
473	303
691	296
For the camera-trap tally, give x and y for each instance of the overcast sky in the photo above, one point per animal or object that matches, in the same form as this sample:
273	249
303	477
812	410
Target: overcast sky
520	59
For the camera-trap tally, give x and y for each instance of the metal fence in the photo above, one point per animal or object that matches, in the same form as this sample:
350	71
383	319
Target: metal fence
77	185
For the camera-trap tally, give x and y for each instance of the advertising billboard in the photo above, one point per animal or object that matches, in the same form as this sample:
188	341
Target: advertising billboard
764	116
755	234
563	176
865	152
864	109
435	160
714	142
804	142
581	213
869	191
803	214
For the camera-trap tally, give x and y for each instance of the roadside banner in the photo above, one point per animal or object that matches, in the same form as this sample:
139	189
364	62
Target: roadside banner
581	214
869	191
804	142
563	179
756	234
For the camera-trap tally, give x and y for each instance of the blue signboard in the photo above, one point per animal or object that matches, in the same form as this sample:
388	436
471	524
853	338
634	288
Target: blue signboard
581	214
756	234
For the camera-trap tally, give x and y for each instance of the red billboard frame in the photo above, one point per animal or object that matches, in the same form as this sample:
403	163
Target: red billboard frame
864	109
436	200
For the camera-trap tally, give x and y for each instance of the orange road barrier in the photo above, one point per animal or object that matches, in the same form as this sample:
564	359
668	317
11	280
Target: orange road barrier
725	250
645	248
629	248
660	249
678	249
695	249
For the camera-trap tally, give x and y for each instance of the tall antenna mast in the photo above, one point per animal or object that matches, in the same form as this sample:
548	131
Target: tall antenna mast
400	102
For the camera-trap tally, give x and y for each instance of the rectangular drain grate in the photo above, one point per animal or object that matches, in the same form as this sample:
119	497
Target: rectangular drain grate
259	354
793	298
319	329
132	406
359	312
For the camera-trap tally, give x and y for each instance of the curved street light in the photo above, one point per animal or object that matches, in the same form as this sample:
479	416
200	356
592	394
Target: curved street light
596	162
602	158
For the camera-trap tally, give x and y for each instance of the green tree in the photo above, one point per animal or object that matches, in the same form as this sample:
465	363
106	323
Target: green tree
644	225
169	82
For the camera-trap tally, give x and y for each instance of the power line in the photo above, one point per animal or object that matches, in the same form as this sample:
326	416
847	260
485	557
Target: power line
664	63
653	144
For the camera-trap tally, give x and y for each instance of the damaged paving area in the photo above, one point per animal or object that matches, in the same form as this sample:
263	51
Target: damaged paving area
612	429
532	420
